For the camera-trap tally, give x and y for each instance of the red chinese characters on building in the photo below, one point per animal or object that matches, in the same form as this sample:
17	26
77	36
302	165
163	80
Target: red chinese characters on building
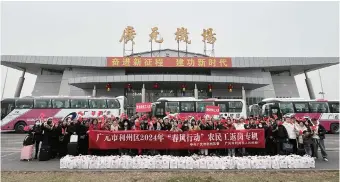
170	62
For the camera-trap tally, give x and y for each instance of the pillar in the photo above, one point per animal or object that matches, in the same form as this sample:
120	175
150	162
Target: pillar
94	91
143	93
244	95
20	84
309	86
196	92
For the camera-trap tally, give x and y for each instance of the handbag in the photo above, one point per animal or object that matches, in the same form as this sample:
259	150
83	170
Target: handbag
74	138
287	147
61	138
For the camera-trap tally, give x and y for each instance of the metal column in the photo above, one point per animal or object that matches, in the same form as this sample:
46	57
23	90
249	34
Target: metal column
94	91
143	93
244	95
20	84
196	92
309	86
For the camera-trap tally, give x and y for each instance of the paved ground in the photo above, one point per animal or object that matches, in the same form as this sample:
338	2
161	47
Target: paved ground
12	143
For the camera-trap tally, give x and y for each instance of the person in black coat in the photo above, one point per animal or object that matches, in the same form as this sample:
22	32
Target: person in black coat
83	141
38	136
280	134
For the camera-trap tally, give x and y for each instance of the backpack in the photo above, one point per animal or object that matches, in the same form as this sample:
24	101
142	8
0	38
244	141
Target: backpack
28	140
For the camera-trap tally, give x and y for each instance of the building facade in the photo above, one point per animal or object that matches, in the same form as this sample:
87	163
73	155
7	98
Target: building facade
255	77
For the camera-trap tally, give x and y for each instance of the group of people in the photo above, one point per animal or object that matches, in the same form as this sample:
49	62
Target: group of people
283	136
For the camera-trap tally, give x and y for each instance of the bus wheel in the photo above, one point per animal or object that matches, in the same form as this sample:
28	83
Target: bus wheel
19	127
335	128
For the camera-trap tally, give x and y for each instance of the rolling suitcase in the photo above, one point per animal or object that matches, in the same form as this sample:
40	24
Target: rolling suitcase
27	152
72	148
45	152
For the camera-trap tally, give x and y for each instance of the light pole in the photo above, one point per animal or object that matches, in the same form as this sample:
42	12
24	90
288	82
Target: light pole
3	89
322	92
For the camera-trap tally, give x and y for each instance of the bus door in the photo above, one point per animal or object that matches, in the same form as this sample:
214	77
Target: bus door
7	106
270	110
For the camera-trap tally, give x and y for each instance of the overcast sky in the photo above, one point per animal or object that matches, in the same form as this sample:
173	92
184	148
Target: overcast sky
272	29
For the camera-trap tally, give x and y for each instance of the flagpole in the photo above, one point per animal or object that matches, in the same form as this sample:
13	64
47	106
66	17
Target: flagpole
3	89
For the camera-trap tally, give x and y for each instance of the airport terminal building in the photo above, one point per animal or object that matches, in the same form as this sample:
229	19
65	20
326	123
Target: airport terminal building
146	76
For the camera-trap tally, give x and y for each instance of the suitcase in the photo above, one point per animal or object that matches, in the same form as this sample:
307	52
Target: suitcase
45	152
72	148
27	152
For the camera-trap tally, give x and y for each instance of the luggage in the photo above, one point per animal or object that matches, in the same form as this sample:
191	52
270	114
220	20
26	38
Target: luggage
45	153
29	140
72	148
27	152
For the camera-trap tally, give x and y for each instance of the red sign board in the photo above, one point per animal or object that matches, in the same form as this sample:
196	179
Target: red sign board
204	139
212	110
143	107
170	62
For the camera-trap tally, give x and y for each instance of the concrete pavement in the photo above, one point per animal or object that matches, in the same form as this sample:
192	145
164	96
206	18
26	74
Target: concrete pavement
11	145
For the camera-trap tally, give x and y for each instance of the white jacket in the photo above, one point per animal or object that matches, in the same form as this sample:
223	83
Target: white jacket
290	130
239	126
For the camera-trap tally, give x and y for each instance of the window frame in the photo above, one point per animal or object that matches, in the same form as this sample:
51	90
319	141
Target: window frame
112	100
87	101
197	102
310	107
19	100
40	99
181	103
91	106
235	108
295	111
166	106
61	99
331	108
283	113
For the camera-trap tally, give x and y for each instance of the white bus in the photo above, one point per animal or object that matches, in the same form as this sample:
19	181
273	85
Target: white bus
189	106
326	111
16	113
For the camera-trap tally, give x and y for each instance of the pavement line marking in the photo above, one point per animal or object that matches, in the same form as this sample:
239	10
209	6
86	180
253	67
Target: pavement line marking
9	154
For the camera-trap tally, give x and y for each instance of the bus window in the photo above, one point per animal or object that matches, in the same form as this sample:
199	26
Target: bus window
24	104
200	106
98	104
187	106
235	106
6	107
334	107
60	103
113	104
172	107
42	103
286	107
223	107
301	107
318	107
79	103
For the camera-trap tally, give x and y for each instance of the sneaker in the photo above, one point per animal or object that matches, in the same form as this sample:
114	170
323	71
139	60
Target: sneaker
325	159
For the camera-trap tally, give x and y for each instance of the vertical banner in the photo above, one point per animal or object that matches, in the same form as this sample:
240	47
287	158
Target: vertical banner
143	107
212	110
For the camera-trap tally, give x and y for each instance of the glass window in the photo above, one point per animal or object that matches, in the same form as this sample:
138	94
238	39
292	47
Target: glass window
187	106
223	107
286	107
79	103
172	107
301	107
334	107
60	103
201	106
98	103
113	104
235	106
318	107
24	104
42	103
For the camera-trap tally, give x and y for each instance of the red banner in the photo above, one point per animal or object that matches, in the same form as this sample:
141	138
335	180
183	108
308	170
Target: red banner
161	140
212	110
170	62
143	107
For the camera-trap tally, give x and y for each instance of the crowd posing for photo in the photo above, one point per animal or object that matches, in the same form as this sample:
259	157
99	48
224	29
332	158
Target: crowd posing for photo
282	136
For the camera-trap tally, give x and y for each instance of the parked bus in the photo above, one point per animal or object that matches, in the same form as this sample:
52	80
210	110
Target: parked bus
327	112
16	113
189	106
